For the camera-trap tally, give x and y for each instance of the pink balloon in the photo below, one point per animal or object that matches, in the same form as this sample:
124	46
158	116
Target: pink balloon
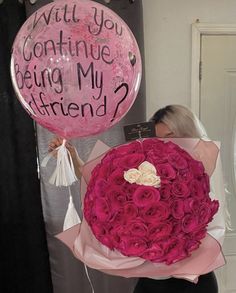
76	67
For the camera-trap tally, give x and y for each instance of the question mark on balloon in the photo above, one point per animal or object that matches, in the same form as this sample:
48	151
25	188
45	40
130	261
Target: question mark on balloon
125	85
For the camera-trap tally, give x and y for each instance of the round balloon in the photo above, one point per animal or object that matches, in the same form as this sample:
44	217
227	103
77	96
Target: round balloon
76	67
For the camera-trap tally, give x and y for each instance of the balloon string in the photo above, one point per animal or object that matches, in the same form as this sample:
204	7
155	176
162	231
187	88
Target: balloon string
87	274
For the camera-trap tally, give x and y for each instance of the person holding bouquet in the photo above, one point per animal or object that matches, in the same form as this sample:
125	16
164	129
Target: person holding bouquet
178	121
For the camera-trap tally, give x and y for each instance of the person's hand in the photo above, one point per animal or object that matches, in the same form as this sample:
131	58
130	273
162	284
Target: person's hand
77	162
56	142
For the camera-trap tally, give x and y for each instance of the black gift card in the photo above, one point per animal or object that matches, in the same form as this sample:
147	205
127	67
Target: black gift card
139	130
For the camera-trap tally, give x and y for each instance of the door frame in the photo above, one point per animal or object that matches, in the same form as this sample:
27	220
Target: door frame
199	29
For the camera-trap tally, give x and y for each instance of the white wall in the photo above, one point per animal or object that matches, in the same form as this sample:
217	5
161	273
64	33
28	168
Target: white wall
167	33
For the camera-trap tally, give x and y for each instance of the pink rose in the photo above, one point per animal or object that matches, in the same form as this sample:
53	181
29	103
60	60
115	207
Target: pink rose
153	144
130	148
156	157
145	195
116	197
207	211
190	223
165	191
166	172
137	228
133	246
214	207
100	187
156	212
102	209
154	253
192	244
185	175
129	161
158	231
129	189
196	189
191	204
177	161
180	189
176	227
117	218
102	235
130	211
177	209
174	250
117	177
117	232
104	171
196	167
205	182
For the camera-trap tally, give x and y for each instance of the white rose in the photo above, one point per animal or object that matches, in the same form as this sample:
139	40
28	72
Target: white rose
132	175
149	180
147	168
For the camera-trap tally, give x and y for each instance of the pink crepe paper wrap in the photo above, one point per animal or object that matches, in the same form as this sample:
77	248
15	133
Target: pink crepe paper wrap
206	258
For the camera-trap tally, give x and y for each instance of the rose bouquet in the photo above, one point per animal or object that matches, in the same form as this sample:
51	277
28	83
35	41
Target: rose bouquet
149	199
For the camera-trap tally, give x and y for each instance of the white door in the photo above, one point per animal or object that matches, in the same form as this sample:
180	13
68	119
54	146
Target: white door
218	114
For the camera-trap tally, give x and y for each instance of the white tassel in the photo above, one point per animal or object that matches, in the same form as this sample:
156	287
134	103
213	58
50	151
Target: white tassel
64	174
72	218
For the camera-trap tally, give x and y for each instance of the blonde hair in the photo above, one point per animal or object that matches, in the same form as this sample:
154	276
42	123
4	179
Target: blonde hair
179	119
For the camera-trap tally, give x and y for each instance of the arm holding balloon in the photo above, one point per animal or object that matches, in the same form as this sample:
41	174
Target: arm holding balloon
77	162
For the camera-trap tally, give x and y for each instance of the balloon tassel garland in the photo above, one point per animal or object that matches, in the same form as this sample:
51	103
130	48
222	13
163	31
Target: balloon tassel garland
64	173
72	218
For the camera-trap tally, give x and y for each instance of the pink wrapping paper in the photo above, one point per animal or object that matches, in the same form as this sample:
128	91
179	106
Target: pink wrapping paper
89	250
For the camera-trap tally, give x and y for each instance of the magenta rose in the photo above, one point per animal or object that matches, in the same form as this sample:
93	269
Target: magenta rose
174	250
158	231
156	157
190	223
214	207
191	204
103	235
177	161
185	175
180	189
165	191
130	211
129	161
177	209
102	209
133	246
117	177
130	189
137	228
191	244
166	172
100	187
205	182
196	168
116	233
196	189
155	212
153	144
155	253
145	195
104	171
116	197
131	148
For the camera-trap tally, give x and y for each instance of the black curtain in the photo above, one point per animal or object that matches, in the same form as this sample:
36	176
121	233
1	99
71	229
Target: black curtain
24	265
